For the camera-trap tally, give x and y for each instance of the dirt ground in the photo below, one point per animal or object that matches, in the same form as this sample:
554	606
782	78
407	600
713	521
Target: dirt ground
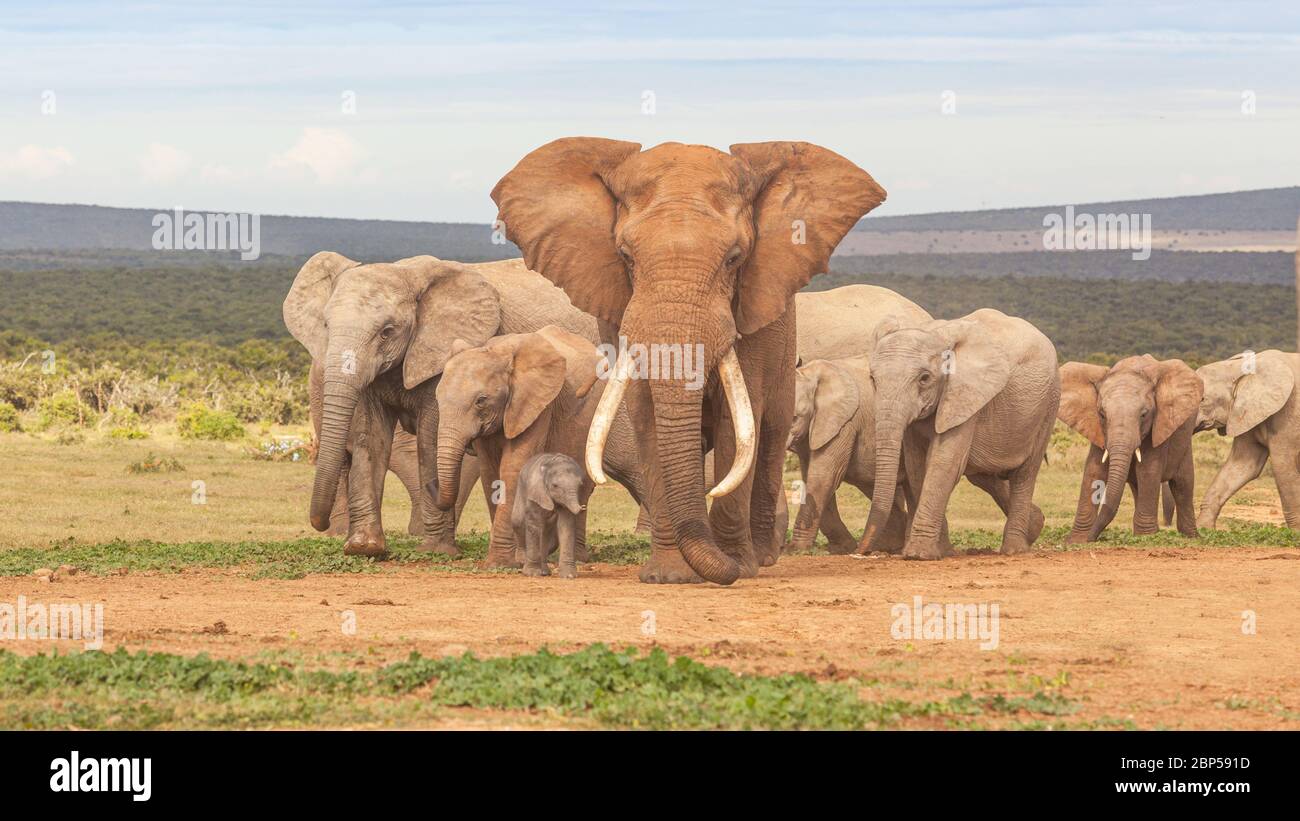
1149	636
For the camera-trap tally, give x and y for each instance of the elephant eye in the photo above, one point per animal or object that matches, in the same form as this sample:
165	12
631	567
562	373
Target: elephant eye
625	254
387	332
1144	411
925	377
480	400
734	256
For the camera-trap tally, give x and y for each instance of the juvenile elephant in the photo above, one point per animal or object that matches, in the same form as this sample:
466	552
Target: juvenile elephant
976	395
686	248
1251	397
1139	415
382	333
834	437
549	500
515	397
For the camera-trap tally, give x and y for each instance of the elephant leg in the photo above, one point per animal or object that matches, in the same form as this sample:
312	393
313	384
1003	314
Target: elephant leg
1182	486
1093	472
826	470
665	565
729	517
536	545
1286	462
567	531
1245	462
1000	491
839	539
1020	509
340	522
642	520
373	442
404	462
1166	504
944	465
1146	499
581	551
469	475
439	525
769	470
894	536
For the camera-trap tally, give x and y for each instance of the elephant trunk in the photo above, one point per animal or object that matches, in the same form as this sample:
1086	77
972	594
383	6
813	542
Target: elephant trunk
890	426
451	454
339	403
1121	454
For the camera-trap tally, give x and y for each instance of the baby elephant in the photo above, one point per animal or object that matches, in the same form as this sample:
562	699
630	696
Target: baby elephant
546	481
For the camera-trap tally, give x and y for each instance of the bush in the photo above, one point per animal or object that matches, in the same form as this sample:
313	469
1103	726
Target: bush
280	450
198	421
63	409
9	418
124	423
155	464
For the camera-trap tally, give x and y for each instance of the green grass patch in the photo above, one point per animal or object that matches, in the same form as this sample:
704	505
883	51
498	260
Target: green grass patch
625	688
292	559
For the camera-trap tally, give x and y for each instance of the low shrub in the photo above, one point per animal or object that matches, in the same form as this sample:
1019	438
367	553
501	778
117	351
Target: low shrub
198	421
9	418
64	409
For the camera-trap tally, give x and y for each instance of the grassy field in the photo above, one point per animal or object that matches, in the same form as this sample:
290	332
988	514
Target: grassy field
216	622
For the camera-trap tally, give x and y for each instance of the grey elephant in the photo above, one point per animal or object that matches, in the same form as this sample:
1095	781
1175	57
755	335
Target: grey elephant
515	397
1138	416
976	396
382	333
1251	397
551	495
834	437
842	321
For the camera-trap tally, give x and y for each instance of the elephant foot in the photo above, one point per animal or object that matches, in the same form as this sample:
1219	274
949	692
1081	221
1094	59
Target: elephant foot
582	553
1191	534
666	566
1036	522
842	548
567	572
445	546
415	526
745	558
1076	538
1015	545
367	541
926	551
536	569
496	557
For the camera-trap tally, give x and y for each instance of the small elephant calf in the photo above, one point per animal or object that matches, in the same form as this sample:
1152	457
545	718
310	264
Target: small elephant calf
548	499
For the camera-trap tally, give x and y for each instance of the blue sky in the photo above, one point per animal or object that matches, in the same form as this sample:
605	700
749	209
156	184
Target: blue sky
234	106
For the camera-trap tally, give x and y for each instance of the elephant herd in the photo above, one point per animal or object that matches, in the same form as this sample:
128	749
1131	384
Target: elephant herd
515	373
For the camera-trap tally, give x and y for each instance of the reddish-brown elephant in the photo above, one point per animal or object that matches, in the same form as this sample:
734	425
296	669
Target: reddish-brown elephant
684	249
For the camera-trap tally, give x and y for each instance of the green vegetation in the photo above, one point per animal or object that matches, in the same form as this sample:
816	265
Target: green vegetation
198	421
120	690
155	464
9	422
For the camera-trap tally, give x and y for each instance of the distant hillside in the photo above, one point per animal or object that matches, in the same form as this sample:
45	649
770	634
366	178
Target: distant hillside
25	225
31	226
1267	209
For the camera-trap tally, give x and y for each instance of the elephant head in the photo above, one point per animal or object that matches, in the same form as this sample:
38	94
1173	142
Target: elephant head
503	387
362	321
1119	408
1243	391
682	245
825	399
941	370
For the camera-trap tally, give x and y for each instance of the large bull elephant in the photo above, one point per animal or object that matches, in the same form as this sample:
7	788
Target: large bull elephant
684	249
382	333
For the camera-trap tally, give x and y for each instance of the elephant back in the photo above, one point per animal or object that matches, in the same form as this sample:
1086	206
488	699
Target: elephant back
529	301
842	321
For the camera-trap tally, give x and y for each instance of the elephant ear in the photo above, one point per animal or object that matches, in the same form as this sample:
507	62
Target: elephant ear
835	401
807	199
1178	395
537	492
536	376
977	370
582	360
1260	394
556	206
304	306
1080	402
456	303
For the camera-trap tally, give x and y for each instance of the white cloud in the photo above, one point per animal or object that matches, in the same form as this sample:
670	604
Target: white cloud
329	154
164	163
36	162
218	174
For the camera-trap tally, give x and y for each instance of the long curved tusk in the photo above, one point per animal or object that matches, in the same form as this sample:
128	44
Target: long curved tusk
603	419
1105	454
742	416
1138	453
